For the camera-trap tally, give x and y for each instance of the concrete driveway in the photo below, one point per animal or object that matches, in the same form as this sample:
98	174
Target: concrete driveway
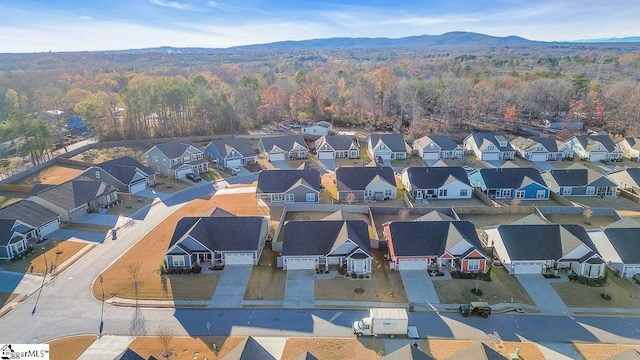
231	287
328	164
544	165
493	163
280	164
543	294
299	291
419	288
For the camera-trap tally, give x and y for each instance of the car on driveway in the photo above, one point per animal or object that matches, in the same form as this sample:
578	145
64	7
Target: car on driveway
476	308
636	279
606	162
194	177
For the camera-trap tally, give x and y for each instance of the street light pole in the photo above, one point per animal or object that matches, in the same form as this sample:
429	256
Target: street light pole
102	287
46	264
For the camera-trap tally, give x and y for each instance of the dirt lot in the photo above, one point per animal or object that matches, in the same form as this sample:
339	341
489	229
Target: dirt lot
55	254
9	197
623	294
6	297
96	156
52	175
130	203
267	281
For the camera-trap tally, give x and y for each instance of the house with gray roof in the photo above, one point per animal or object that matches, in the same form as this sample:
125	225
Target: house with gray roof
630	147
325	243
387	146
337	147
371	183
320	128
435	147
479	351
489	146
628	179
537	249
176	159
126	174
541	149
14	236
619	245
408	352
594	147
217	241
231	152
579	182
249	349
287	186
510	183
77	197
34	215
430	245
437	182
287	147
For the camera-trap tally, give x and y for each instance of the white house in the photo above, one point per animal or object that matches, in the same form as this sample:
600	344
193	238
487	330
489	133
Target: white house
434	147
630	147
320	128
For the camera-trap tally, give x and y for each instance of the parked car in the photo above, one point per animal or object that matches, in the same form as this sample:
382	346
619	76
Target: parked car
194	177
636	279
606	162
476	308
236	169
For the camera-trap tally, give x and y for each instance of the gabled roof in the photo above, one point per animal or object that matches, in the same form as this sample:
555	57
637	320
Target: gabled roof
175	149
241	145
278	181
7	227
286	142
543	242
408	352
629	354
477	351
633	142
579	177
306	356
532	219
321	237
483	140
395	142
221	233
435	177
633	174
510	178
220	212
589	142
337	142
443	141
344	215
531	144
124	168
358	178
324	124
428	238
73	193
435	216
249	349
624	236
28	212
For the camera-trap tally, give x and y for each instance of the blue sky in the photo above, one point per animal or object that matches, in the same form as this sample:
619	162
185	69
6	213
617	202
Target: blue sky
77	25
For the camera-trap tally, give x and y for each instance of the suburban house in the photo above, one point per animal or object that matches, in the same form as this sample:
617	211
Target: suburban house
337	147
619	245
594	147
489	146
579	182
437	182
285	147
434	147
541	149
14	236
366	183
430	245
126	174
231	152
320	128
538	249
387	146
34	215
300	185
176	159
249	349
323	243
75	198
407	352
628	179
630	147
217	240
510	183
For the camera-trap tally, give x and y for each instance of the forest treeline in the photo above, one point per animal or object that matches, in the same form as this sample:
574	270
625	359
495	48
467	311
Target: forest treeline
171	99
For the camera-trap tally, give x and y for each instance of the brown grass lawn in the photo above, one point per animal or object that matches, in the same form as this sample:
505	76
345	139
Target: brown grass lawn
52	175
170	186
602	351
594	223
6	297
334	348
117	281
502	288
56	255
267	281
96	156
384	285
623	294
9	197
70	348
186	347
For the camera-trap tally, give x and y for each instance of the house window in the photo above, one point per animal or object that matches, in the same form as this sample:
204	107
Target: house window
591	190
178	260
289	198
388	193
491	147
473	265
506	193
277	197
464	192
541	194
566	191
186	159
442	193
20	247
311	197
97	174
519	194
368	193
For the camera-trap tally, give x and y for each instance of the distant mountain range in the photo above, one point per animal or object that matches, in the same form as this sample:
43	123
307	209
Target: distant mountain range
633	39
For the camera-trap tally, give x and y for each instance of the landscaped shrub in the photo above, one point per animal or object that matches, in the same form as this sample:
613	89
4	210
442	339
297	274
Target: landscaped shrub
354	275
162	270
197	269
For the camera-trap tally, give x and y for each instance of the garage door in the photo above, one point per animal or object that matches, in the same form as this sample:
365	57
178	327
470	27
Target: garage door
539	157
632	270
182	173
276	157
413	264
385	156
49	227
597	156
527	268
238	259
137	187
430	156
302	263
234	163
325	155
491	156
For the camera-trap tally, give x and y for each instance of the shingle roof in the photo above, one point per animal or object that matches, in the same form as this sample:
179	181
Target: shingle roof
579	177
174	149
588	142
477	351
221	233
338	142
482	140
509	178
543	242
435	177
430	238
357	178
249	349
629	354
306	356
408	352
395	142
285	143
279	181
124	168
73	193
6	233
320	237
28	212
241	145
530	144
633	142
443	141
624	237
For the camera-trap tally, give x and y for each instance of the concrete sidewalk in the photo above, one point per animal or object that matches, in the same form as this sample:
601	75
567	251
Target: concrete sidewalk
107	347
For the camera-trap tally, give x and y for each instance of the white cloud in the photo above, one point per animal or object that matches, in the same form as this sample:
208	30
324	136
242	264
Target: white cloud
86	18
172	4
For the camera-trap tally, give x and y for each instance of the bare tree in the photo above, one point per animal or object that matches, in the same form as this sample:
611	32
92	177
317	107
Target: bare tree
350	198
587	213
134	270
165	336
403	214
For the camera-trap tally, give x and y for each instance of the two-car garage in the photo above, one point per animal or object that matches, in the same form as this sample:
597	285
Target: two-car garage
412	264
518	268
238	258
300	263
